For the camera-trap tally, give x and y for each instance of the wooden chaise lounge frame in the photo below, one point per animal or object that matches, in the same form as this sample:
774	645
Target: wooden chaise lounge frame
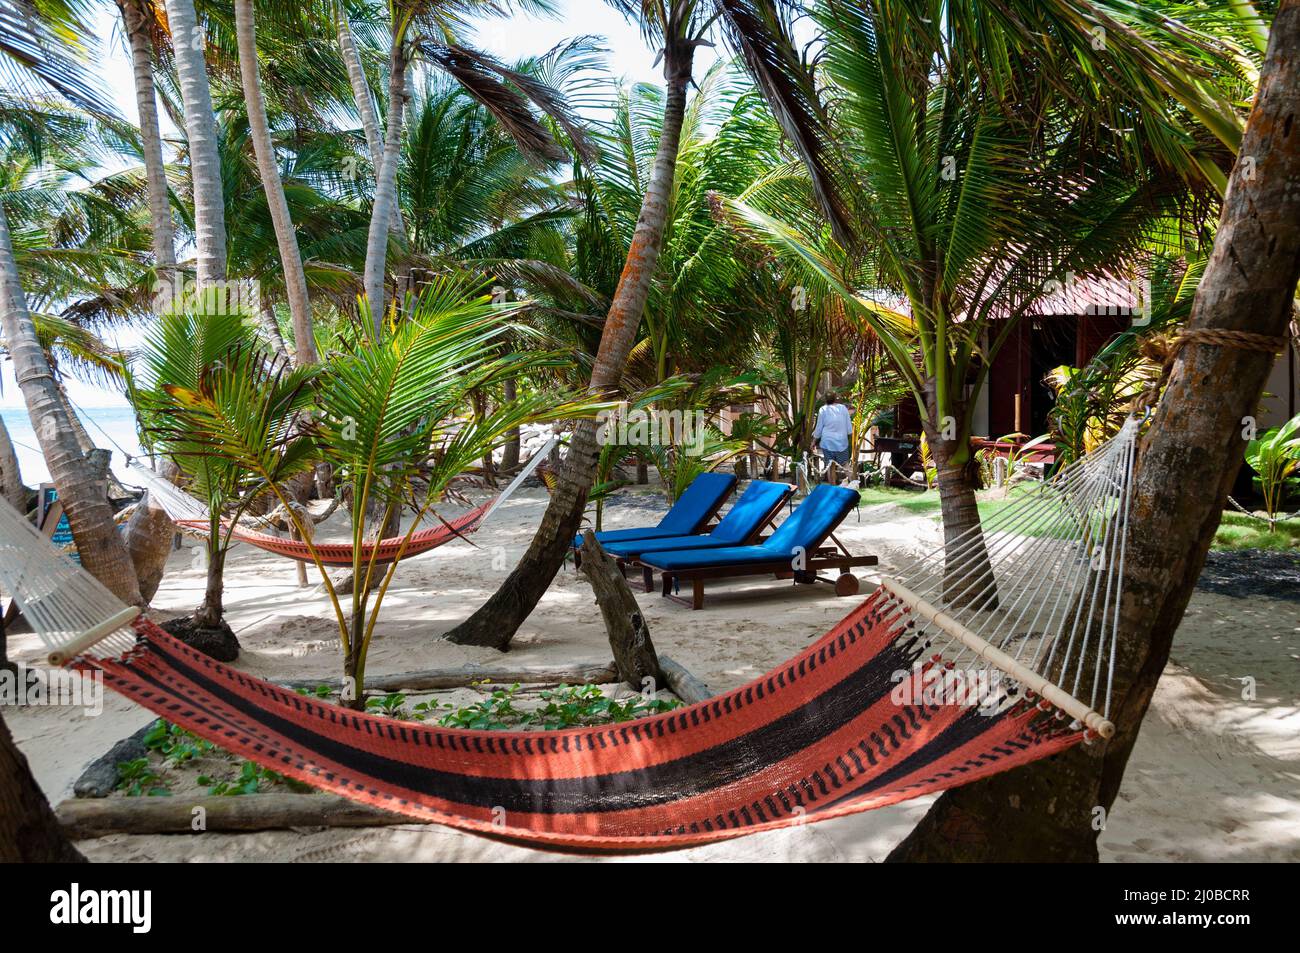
824	557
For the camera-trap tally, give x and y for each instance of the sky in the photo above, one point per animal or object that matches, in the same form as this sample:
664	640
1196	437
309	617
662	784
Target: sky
510	40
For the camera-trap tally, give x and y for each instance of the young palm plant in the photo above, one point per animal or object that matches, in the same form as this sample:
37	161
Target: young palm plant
196	349
390	416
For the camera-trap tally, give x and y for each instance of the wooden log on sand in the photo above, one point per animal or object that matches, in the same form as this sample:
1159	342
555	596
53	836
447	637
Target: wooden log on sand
683	684
81	819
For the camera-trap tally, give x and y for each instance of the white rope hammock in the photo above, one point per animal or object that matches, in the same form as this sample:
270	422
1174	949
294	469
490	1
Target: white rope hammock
1031	597
183	507
1035	590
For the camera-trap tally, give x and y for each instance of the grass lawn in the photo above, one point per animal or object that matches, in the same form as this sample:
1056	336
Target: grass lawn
1238	531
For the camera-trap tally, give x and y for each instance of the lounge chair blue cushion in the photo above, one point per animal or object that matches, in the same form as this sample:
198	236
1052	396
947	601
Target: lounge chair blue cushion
745	518
803	530
687	516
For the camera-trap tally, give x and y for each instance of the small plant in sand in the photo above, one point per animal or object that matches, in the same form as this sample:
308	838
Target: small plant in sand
138	778
251	779
568	706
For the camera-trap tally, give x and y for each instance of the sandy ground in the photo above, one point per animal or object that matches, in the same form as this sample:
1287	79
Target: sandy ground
1215	776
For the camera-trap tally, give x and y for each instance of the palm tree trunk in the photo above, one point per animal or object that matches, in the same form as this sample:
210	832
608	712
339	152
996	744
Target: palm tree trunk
201	133
80	486
365	107
160	216
149	530
11	478
968	574
1186	467
149	534
271	328
510	452
497	620
381	215
295	278
29	831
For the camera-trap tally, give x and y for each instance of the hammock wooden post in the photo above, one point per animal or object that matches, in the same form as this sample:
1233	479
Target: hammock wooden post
995	656
629	635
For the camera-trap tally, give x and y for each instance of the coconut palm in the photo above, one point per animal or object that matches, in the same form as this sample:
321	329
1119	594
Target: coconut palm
429	31
295	278
973	199
192	343
40	49
140	27
761	33
392	422
188	44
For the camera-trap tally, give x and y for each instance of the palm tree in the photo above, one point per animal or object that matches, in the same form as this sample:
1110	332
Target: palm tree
139	23
1190	456
975	201
295	279
28	829
427	30
677	29
197	338
29	42
392	422
188	45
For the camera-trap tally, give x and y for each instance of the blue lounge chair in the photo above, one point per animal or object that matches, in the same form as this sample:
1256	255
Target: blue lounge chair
690	514
794	550
742	524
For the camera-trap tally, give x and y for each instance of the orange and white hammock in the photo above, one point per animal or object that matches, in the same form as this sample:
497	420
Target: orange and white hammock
192	514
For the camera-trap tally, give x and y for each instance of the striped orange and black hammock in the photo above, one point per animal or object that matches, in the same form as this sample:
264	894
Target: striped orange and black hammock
1016	624
819	737
341	554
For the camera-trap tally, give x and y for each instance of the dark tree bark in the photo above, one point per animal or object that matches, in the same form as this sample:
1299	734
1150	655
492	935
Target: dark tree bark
497	620
629	635
1049	811
29	831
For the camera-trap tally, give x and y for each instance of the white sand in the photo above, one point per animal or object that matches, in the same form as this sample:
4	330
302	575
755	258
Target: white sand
1213	777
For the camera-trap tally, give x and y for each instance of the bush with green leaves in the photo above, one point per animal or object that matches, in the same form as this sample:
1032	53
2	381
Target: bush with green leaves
1275	457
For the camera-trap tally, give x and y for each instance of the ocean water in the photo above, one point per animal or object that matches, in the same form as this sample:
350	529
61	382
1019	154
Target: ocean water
111	428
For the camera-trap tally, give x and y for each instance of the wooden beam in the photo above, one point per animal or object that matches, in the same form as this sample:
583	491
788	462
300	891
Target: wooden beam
99	817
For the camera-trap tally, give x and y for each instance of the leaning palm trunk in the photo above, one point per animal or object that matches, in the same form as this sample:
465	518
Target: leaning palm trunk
385	205
497	620
149	530
365	106
1049	811
295	277
160	216
201	133
81	488
11	478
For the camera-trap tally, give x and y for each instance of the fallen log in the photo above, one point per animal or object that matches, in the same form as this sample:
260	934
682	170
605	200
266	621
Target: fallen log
81	819
432	679
683	684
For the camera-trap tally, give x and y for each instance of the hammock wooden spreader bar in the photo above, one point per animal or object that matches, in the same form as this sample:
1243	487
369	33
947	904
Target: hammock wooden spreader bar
818	737
192	514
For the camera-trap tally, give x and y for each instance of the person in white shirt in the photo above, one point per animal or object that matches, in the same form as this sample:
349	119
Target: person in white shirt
832	434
